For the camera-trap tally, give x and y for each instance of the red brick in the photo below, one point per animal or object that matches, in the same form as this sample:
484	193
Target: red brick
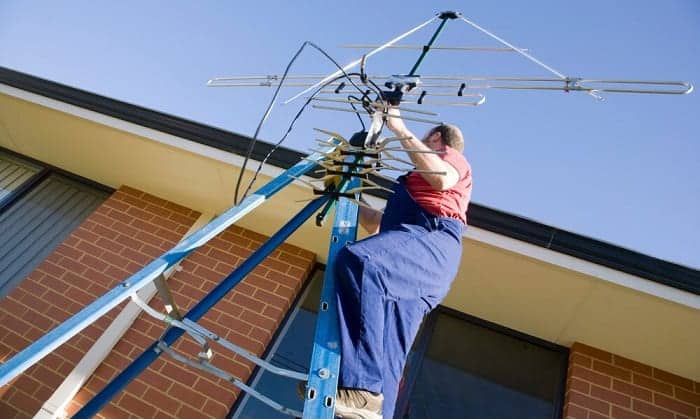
687	396
239	251
149	239
233	323
41	304
168	236
219	410
151	251
271	299
181	219
96	263
651	410
126	190
125	229
52	269
275	265
275	313
580	359
105	232
247	302
673	379
298	272
201	259
675	405
611	396
632	390
25	403
632	365
128	242
121	216
257	237
13	307
187	395
215	391
190	413
116	273
135	256
651	384
260	282
72	266
34	288
571	411
116	260
591	351
144	226
613	371
258	320
138	406
159	381
178	373
286	292
594	415
109	245
591	376
620	413
101	219
115	205
588	402
293	260
163	222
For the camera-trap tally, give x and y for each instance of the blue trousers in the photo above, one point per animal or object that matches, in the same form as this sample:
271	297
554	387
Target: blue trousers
386	284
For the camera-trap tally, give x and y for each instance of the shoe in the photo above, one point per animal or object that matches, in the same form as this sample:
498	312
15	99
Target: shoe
353	403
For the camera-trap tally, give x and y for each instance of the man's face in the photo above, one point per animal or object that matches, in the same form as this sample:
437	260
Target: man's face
434	141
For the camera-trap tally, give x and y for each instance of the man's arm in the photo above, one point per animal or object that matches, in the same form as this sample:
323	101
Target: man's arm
422	161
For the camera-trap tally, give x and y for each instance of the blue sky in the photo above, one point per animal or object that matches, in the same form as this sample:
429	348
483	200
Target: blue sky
623	171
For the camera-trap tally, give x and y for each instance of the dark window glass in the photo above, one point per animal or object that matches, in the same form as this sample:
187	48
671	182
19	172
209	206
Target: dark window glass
459	367
473	371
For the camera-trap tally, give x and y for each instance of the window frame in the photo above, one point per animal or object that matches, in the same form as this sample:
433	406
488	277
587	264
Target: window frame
44	172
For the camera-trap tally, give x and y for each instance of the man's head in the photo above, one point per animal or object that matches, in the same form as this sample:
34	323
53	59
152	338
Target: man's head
448	134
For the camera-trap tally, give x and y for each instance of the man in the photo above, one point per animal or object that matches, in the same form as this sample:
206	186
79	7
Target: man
388	282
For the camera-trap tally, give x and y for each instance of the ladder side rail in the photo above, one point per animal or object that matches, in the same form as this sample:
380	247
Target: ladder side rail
73	325
200	309
325	358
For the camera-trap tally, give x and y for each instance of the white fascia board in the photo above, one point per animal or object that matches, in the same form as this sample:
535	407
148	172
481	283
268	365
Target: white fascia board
582	266
139	130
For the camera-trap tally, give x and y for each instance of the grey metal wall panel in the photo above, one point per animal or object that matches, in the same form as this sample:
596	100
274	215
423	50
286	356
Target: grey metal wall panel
38	222
13	173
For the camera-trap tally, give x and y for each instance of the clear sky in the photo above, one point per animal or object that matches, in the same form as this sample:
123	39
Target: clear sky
623	171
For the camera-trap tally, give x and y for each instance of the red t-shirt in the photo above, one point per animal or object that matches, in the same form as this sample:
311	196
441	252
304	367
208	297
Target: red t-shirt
451	203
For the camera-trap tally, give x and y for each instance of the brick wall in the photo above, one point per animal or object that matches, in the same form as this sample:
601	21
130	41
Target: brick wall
121	236
605	385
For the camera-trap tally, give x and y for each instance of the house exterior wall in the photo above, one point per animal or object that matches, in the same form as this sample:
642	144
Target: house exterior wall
129	230
605	385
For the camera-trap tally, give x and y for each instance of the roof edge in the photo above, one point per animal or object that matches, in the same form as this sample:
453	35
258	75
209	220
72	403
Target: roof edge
496	221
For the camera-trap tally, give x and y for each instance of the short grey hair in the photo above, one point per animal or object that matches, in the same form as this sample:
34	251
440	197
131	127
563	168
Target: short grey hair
451	136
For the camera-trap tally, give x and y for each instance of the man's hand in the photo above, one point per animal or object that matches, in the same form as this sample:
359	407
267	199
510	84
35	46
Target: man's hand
395	123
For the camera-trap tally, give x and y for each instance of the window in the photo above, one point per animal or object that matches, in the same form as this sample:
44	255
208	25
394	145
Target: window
39	207
471	369
459	367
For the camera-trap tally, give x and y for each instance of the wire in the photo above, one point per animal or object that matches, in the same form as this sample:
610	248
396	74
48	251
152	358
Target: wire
351	97
284	137
251	145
